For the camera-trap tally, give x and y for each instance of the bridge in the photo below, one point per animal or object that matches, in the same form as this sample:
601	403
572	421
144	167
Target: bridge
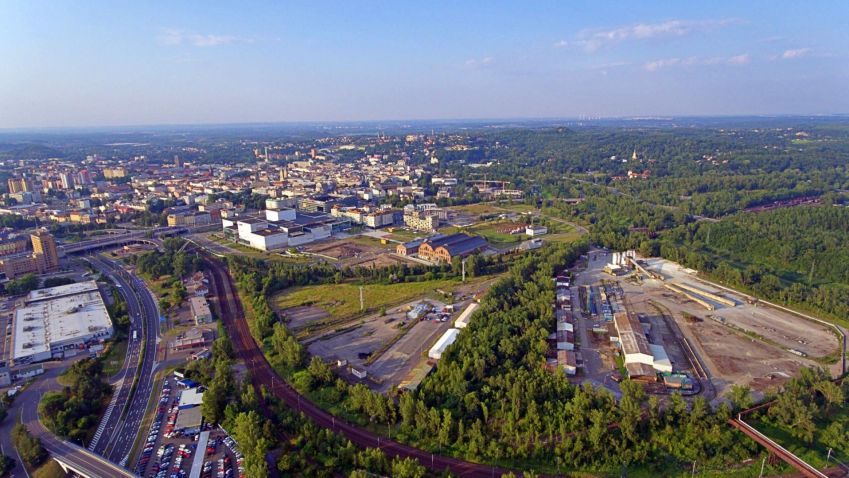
151	236
788	457
78	460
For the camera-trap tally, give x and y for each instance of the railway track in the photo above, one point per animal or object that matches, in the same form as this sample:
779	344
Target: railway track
263	375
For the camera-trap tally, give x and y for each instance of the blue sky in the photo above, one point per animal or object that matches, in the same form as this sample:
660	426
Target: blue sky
115	62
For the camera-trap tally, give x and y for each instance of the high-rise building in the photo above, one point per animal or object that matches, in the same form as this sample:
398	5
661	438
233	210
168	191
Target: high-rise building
178	162
19	185
44	247
84	177
67	180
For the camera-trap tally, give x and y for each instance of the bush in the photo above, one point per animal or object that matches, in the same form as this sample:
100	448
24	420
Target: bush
29	447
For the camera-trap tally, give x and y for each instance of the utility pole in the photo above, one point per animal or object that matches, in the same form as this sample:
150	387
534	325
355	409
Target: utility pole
763	463
362	303
463	262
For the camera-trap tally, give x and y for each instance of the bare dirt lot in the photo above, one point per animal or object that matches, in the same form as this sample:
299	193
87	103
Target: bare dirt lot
749	343
745	344
358	251
298	317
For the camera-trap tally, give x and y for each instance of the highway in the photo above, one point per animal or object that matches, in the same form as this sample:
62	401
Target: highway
123	423
111	418
263	375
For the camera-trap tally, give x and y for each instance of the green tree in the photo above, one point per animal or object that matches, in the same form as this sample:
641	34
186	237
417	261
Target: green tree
29	448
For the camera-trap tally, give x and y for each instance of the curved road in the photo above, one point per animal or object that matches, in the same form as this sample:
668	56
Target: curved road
25	410
263	375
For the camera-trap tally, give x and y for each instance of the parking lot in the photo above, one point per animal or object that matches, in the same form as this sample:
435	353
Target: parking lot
168	453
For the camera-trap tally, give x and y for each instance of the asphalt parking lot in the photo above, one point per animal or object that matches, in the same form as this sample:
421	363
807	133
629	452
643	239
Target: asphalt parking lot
169	454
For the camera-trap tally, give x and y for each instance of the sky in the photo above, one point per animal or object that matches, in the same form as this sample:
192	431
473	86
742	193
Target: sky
109	63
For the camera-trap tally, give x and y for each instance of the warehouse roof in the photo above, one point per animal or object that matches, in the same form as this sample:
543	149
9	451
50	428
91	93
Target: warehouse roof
65	313
631	334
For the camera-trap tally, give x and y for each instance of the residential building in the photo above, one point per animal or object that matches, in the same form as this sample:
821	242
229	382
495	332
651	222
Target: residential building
200	310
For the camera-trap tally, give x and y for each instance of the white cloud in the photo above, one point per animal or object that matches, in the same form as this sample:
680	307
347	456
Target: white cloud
795	53
737	60
172	36
658	64
592	40
743	59
561	44
479	63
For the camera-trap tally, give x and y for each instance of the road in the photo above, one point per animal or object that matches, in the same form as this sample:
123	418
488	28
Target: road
24	409
118	436
124	384
263	375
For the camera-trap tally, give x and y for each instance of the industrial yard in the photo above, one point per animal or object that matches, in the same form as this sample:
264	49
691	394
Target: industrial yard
633	315
381	348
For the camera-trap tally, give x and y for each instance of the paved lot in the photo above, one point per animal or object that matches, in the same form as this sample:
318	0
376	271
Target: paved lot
163	463
394	364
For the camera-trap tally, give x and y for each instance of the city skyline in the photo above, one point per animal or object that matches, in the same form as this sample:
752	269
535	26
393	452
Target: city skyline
103	65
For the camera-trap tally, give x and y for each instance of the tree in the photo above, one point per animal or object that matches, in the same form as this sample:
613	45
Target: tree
740	396
320	371
29	447
6	465
407	468
248	433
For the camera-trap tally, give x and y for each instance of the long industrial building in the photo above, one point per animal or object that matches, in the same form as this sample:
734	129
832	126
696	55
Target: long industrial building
59	320
641	357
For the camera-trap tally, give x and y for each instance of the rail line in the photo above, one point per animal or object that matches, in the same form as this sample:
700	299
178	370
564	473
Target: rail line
263	375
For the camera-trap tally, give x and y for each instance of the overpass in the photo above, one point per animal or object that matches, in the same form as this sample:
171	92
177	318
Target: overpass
150	236
75	459
788	457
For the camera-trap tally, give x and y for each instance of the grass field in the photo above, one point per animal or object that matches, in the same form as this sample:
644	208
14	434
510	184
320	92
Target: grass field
367	241
343	300
114	357
478	209
406	235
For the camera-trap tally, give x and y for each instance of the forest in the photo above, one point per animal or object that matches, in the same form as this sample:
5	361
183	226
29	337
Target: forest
491	400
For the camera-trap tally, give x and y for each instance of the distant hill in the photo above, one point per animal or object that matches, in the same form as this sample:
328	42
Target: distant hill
28	151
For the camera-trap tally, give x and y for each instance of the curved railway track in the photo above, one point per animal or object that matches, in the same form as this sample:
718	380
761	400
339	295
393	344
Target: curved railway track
263	375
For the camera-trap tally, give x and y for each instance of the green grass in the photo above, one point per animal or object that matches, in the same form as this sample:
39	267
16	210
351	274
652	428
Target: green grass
367	241
406	235
518	207
343	300
477	209
113	359
488	231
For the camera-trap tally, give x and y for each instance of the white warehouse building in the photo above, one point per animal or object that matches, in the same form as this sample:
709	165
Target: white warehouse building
59	320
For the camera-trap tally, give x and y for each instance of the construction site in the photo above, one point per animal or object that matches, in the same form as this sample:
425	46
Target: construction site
653	320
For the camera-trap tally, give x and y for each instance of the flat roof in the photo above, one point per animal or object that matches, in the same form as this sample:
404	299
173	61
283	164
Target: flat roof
631	334
65	313
191	398
189	418
199	306
197	461
60	291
